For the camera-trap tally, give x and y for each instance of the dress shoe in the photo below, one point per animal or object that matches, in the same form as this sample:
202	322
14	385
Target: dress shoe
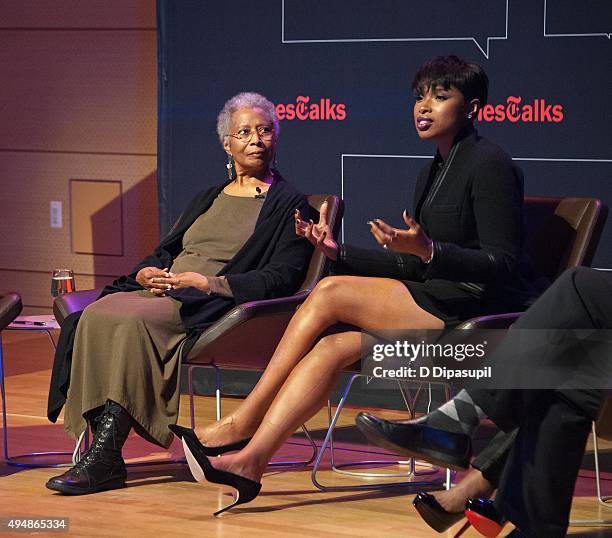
202	469
433	514
182	432
418	440
102	466
484	517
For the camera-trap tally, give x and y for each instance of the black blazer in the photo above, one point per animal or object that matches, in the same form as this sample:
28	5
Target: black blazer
471	206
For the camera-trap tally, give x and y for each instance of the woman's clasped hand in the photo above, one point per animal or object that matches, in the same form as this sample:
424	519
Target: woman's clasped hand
158	281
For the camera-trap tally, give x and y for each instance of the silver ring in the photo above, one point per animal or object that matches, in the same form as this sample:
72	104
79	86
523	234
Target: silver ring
385	245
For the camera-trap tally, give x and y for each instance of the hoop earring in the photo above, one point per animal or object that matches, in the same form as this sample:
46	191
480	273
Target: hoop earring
470	116
230	166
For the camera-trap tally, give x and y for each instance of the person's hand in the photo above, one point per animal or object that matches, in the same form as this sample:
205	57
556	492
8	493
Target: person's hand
411	241
188	279
148	278
320	235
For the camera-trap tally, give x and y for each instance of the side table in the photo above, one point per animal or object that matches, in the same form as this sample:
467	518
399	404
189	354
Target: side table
44	323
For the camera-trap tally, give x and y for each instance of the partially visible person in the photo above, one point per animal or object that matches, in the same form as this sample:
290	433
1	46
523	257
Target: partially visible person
537	483
460	255
234	243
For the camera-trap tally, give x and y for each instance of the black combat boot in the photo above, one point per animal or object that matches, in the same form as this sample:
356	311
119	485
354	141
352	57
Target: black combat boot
94	417
102	466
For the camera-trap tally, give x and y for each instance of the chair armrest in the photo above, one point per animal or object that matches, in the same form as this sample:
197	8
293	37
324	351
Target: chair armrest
496	321
68	303
10	308
247	335
244	312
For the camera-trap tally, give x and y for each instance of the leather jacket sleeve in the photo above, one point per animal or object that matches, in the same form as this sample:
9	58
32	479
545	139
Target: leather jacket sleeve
375	263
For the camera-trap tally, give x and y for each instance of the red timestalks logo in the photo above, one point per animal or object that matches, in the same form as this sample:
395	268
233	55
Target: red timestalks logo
513	111
303	110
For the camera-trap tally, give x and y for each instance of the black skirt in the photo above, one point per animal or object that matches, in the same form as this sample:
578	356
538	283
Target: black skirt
454	302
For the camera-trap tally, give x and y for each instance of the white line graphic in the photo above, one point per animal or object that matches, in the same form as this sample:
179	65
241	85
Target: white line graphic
484	48
546	34
382	156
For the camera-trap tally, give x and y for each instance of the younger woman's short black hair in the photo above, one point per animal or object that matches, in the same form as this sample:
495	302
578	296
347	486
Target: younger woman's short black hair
446	71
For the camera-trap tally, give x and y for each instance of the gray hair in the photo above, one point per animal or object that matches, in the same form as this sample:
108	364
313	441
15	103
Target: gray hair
244	100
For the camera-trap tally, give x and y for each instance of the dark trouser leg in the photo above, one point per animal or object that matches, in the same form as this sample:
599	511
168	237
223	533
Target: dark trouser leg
579	299
538	480
492	459
537	485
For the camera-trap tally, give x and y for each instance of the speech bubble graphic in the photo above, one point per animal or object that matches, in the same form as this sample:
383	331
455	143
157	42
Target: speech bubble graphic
369	21
577	18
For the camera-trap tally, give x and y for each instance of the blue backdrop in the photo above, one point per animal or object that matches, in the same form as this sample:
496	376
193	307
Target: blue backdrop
340	72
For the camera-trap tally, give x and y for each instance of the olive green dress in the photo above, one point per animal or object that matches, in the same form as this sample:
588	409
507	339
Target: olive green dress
127	346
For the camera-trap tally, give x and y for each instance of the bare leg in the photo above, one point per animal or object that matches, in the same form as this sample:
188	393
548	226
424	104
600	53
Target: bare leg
306	390
472	485
308	385
373	303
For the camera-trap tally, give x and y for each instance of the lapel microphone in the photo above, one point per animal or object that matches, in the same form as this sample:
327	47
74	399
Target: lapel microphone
259	194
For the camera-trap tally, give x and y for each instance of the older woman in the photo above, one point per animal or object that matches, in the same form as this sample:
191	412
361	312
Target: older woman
459	256
234	243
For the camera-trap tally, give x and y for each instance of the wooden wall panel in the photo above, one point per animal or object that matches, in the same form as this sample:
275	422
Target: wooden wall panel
35	287
78	14
37	179
96	217
90	91
78	100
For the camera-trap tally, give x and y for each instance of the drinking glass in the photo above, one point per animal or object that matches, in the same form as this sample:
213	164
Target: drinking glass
62	281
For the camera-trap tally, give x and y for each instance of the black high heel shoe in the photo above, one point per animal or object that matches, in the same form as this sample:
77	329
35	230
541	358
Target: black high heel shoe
182	432
434	514
484	517
202	469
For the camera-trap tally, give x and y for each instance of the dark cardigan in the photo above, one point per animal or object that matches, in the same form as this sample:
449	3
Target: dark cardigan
272	263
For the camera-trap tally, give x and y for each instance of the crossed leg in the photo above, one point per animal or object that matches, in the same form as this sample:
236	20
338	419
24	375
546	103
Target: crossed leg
302	373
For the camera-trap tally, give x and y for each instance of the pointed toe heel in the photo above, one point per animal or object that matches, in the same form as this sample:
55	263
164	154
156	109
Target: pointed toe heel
434	514
181	432
247	490
484	517
202	470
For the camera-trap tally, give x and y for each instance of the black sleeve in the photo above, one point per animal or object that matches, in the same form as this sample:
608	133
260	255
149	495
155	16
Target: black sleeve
286	270
497	198
376	263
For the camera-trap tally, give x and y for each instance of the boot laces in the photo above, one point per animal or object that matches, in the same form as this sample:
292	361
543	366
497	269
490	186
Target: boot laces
106	425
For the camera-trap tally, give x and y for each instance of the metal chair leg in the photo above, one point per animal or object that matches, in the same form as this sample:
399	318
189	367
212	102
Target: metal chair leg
412	471
328	441
602	500
303	463
13	460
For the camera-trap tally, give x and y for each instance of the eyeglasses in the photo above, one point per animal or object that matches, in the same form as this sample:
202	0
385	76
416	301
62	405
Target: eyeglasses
265	132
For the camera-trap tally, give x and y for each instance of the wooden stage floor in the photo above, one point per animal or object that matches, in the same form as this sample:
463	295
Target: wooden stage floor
165	501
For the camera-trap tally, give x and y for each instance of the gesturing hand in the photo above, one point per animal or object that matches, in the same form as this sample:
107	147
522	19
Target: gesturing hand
320	235
411	241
